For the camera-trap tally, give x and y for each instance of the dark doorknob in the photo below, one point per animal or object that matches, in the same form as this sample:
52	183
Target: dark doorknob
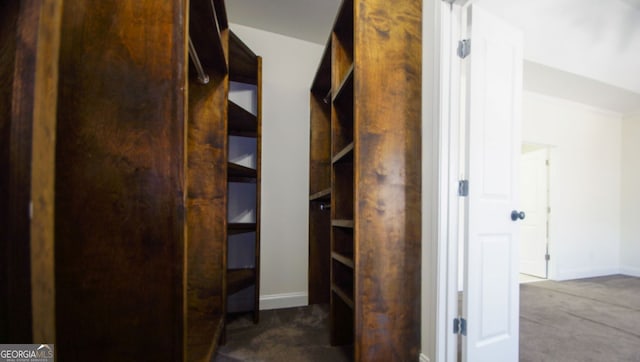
515	215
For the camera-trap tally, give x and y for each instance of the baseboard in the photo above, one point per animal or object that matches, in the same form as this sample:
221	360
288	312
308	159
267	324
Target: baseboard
283	300
586	273
424	358
630	271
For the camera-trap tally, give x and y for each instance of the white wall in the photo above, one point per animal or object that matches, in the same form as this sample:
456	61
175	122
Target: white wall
585	183
630	245
288	67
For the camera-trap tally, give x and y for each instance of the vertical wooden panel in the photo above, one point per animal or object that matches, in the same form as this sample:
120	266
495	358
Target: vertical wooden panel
8	29
206	213
120	237
387	178
45	94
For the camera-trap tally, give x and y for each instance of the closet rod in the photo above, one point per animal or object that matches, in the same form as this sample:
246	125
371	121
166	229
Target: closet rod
203	78
327	98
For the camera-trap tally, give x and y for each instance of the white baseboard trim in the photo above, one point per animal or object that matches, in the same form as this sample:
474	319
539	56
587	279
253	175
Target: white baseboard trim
630	271
424	358
586	273
283	300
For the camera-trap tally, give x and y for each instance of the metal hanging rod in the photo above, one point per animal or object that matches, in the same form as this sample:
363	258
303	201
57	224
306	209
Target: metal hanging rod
327	98
325	206
203	78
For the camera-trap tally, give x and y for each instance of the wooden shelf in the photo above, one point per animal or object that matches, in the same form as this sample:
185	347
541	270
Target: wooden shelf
238	279
321	85
203	332
207	20
241	122
243	66
346	260
342	223
241	228
323	195
340	293
343	95
238	173
344	155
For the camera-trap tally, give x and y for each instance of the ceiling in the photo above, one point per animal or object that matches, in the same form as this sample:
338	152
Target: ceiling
583	50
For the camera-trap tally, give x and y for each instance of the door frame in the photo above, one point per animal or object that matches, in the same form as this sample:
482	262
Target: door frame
547	149
449	170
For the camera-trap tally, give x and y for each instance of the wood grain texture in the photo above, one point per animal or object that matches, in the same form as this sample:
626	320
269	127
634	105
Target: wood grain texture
8	29
387	179
206	212
41	27
120	181
320	181
320	145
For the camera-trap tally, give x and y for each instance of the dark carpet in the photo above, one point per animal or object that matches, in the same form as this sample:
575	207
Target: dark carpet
582	320
293	334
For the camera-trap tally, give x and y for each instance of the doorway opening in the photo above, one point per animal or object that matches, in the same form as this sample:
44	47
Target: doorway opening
534	200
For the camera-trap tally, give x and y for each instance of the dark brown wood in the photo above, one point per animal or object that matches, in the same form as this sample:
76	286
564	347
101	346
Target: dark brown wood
120	181
387	164
240	228
10	332
320	183
40	26
323	195
239	173
322	81
238	279
243	63
256	293
207	23
246	67
241	122
342	202
320	145
29	97
206	211
375	177
319	251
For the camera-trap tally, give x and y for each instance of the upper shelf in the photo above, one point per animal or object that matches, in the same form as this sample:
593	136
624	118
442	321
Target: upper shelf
238	173
321	85
207	21
241	122
243	65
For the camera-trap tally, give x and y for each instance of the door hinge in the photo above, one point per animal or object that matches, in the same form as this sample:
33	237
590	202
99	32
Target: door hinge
464	48
30	210
547	257
460	326
463	188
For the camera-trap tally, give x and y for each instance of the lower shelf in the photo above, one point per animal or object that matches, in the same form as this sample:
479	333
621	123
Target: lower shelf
238	279
203	333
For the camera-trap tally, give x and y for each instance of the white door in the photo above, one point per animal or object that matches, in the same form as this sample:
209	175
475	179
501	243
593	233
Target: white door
491	299
534	202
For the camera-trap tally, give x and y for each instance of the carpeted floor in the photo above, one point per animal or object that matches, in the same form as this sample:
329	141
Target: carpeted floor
583	320
294	334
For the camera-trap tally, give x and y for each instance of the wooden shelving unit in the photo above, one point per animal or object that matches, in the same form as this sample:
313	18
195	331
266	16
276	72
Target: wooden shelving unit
245	67
365	146
320	182
205	188
127	243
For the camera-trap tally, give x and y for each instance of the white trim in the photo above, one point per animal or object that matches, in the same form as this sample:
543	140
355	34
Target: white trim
283	300
424	358
582	273
630	271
